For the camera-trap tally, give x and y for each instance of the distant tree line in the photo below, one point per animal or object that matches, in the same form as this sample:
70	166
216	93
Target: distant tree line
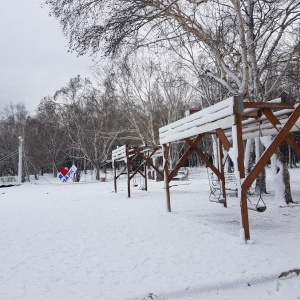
166	57
84	121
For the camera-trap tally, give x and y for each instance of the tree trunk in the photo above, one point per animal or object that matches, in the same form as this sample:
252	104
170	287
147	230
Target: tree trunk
54	171
260	186
285	178
247	154
97	172
278	166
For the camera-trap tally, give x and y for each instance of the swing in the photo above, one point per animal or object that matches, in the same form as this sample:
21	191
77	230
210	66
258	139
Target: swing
134	183
142	185
252	206
215	186
215	189
257	207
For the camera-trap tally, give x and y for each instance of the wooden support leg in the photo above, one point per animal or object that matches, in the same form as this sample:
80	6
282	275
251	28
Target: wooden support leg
166	149
115	176
146	183
244	214
240	166
222	177
128	172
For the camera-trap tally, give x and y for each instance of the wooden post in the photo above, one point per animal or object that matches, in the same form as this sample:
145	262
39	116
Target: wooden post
166	149
222	177
115	175
240	146
146	183
128	172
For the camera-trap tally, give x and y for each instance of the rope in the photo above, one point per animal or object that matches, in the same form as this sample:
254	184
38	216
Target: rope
260	199
25	156
8	156
134	182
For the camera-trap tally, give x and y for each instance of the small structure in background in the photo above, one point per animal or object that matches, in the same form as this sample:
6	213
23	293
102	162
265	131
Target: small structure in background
135	160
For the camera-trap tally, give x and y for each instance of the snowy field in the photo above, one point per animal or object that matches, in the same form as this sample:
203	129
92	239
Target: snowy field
83	241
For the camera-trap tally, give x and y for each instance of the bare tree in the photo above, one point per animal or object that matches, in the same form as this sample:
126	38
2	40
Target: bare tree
249	45
12	125
51	134
90	118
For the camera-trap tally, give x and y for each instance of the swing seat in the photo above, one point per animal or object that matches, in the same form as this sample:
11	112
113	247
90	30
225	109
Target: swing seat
221	201
258	208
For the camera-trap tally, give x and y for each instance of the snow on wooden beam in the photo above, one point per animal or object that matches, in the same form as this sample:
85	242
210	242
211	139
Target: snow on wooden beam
118	153
216	116
254	108
265	129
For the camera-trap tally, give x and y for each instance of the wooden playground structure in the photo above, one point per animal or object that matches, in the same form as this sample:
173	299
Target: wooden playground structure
136	159
232	121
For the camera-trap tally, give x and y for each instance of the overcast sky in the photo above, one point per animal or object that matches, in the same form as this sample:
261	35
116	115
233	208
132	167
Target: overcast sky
34	61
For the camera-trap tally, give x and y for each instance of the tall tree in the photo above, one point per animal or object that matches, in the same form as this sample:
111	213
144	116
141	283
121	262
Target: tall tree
12	125
249	44
244	38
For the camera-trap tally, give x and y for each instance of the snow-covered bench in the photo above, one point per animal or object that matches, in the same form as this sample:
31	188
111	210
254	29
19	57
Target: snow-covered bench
182	175
8	180
230	183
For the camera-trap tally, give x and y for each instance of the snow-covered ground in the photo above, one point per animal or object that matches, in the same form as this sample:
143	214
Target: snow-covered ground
83	241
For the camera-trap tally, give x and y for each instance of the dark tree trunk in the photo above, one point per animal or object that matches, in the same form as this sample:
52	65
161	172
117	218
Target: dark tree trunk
97	173
286	178
260	186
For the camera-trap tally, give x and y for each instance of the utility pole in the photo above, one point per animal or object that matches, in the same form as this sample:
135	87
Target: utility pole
20	160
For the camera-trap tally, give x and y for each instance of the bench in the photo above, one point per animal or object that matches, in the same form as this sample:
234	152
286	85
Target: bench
182	175
8	180
215	186
231	185
230	182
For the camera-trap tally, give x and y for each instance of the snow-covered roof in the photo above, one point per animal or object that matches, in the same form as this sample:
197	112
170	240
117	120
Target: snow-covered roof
120	153
222	115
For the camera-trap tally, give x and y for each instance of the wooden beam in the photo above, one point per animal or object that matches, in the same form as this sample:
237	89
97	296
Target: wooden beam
137	170
223	138
289	139
244	213
240	145
148	160
192	146
241	169
222	177
261	105
124	168
272	148
203	157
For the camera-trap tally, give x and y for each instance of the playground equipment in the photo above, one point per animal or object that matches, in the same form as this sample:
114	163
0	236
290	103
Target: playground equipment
232	121
135	161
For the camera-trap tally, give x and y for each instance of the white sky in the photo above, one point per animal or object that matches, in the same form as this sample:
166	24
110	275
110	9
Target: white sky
34	61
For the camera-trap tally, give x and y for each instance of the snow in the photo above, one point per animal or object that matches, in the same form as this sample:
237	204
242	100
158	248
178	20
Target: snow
83	241
219	115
